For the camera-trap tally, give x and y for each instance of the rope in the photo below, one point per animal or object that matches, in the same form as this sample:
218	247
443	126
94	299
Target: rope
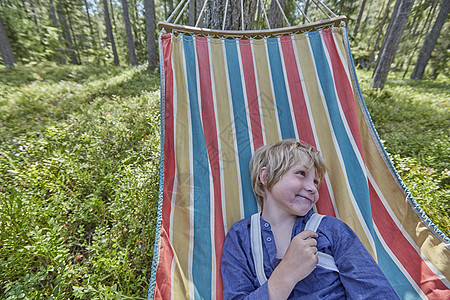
201	13
225	15
265	13
282	11
326	7
175	10
242	15
182	11
303	13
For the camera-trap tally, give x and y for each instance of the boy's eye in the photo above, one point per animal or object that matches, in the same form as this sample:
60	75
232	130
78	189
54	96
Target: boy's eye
316	182
303	173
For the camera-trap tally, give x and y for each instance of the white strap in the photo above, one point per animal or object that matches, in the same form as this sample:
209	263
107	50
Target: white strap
325	260
313	222
256	244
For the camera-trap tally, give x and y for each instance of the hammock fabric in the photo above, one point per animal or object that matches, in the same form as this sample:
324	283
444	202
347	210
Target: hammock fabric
221	100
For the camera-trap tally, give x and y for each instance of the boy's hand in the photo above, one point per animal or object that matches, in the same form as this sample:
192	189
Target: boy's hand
298	262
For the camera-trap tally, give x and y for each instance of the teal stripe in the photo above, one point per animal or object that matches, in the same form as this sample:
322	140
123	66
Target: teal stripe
202	253
279	87
242	128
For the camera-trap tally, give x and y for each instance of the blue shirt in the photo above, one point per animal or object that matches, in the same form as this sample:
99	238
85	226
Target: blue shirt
359	275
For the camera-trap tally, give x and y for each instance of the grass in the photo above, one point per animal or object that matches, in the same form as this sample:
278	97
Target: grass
79	164
79	171
413	121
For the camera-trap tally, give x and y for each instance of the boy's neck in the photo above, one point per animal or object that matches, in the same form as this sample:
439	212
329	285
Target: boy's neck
277	219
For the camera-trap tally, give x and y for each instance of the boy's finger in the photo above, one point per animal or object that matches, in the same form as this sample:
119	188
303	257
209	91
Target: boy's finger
307	234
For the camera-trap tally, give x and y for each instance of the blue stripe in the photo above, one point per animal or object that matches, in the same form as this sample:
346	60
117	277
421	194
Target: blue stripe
279	88
393	273
202	257
357	179
395	276
240	122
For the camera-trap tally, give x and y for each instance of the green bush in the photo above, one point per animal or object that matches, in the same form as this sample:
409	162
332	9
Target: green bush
413	121
79	165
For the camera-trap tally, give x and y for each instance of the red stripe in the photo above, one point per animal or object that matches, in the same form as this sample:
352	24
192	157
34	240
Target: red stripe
343	88
302	121
163	285
430	284
212	145
252	91
163	274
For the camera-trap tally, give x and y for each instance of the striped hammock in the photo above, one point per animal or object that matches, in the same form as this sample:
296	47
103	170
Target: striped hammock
221	100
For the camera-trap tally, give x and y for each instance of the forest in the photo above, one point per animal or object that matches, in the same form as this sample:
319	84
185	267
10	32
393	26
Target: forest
80	126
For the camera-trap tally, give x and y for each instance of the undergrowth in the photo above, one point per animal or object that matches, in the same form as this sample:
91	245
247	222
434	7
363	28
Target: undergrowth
413	121
79	169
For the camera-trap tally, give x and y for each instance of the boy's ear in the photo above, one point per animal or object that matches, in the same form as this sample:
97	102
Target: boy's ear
262	175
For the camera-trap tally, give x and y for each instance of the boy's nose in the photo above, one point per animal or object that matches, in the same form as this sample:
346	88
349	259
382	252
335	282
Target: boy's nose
311	187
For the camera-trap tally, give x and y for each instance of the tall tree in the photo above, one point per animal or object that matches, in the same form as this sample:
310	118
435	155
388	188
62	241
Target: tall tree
5	48
109	32
380	30
66	34
276	13
149	6
91	29
358	20
430	42
391	42
234	20
129	32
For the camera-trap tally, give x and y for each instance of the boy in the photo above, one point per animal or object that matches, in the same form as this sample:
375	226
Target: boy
330	263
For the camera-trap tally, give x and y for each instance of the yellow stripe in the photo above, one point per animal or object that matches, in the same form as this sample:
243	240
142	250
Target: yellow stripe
429	244
226	136
268	117
344	204
181	216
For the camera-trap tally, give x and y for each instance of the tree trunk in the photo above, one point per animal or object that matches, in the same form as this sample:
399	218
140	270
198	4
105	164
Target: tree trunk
391	42
149	7
129	32
191	13
5	48
419	36
380	30
66	35
276	14
74	38
430	42
216	11
109	33
91	29
112	17
358	20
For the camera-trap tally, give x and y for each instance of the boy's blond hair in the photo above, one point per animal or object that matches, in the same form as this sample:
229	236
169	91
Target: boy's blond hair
277	159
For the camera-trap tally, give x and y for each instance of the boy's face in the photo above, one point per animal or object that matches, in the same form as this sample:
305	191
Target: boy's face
295	193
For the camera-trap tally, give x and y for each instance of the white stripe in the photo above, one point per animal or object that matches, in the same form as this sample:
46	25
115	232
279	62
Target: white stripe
258	93
313	125
172	273
271	87
191	186
341	161
405	233
399	264
233	127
